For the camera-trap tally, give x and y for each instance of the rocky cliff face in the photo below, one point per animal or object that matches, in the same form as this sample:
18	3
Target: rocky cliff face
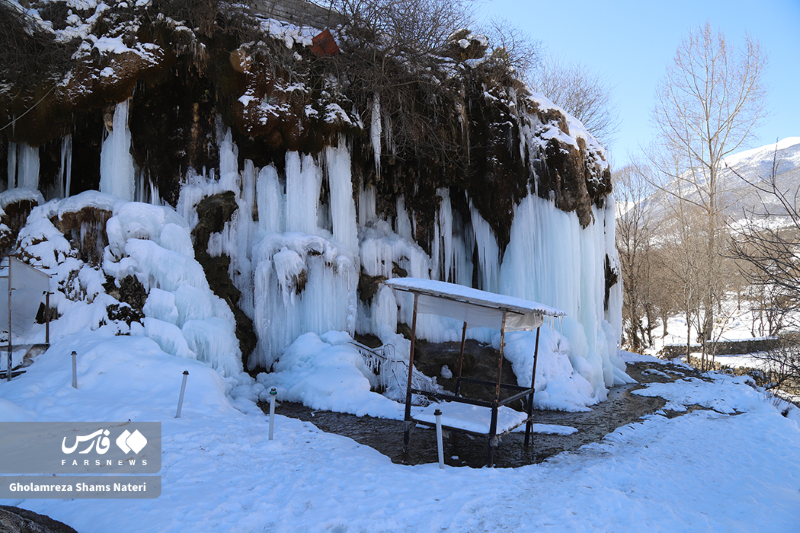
331	182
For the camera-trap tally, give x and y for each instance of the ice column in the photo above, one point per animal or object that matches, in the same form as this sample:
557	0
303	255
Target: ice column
303	181
343	209
488	251
28	167
117	173
366	206
271	200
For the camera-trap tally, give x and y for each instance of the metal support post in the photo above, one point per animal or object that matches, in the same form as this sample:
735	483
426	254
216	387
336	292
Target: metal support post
529	425
273	392
74	369
438	415
47	318
183	389
407	417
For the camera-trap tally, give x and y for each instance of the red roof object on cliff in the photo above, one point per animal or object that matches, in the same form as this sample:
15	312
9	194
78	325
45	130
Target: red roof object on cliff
324	45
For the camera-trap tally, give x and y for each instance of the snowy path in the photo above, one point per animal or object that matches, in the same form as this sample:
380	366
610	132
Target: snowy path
704	471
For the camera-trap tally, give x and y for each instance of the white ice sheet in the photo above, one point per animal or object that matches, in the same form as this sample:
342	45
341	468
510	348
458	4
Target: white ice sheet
471	417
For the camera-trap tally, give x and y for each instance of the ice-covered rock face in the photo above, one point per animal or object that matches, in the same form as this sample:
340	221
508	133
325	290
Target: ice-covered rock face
325	196
146	243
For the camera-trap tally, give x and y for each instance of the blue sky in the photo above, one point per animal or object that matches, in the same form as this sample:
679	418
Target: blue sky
631	42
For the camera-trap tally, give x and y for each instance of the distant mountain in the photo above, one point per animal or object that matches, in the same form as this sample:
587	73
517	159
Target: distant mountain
757	166
745	170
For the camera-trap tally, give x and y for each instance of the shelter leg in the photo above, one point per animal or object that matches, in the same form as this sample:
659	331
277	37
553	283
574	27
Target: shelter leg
406	436
47	318
500	358
463	341
407	416
529	425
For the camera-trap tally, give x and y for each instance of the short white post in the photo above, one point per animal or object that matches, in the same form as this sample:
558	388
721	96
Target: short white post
74	369
183	389
8	365
438	415
272	393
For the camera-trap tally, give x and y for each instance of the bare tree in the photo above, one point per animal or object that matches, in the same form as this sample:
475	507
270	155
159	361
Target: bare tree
583	93
634	244
707	105
766	246
513	45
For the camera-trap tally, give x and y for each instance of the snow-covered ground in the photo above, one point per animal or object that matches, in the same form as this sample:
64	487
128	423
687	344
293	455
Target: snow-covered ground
738	325
708	470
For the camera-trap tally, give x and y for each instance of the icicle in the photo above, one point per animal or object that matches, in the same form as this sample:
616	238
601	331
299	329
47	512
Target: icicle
304	284
117	172
366	206
342	207
139	192
302	193
65	173
488	251
155	197
403	223
228	161
444	222
375	132
12	165
270	200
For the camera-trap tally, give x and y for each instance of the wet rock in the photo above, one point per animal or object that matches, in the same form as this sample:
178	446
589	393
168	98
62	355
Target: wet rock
130	291
213	212
16	520
14	216
86	232
368	286
124	313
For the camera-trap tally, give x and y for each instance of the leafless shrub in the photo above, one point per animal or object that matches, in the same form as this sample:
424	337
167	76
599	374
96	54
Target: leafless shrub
393	54
781	365
409	28
512	45
30	54
582	92
200	14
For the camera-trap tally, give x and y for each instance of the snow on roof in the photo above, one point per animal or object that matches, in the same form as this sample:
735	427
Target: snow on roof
451	291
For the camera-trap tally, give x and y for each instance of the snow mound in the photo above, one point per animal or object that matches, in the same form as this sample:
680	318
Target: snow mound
325	372
151	244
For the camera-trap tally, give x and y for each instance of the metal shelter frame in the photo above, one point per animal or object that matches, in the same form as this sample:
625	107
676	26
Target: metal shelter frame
480	303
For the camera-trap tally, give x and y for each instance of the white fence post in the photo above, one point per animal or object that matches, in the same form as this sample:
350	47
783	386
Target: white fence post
438	415
272	393
183	389
74	369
